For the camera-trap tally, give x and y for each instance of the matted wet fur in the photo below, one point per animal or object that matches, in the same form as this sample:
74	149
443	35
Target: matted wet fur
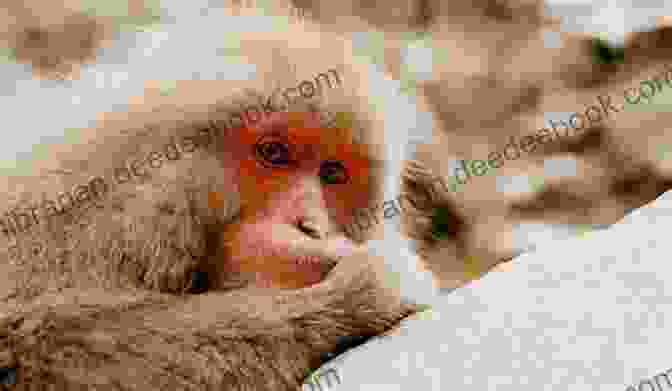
244	340
109	300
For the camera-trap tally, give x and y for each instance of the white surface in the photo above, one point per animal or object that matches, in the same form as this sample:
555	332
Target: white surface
611	19
586	313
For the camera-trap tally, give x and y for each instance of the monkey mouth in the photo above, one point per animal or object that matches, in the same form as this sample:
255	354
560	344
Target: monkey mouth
317	268
324	259
292	267
297	271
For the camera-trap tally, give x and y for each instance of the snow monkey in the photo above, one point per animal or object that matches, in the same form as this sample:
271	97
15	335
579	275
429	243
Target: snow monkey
193	239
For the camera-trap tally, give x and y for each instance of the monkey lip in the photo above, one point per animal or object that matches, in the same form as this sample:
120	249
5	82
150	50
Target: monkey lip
325	258
300	264
316	265
296	273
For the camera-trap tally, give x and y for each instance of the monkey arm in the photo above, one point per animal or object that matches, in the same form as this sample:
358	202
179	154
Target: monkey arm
248	339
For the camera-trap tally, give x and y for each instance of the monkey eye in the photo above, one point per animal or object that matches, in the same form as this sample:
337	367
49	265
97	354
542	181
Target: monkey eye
333	172
272	152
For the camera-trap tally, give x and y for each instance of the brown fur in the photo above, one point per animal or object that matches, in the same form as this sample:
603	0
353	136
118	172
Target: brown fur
619	164
108	300
246	340
53	38
392	16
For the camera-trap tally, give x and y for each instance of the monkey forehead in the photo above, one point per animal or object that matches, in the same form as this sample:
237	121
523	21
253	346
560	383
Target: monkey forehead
303	130
306	126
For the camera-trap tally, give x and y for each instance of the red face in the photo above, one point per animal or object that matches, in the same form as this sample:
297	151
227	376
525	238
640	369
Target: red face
299	185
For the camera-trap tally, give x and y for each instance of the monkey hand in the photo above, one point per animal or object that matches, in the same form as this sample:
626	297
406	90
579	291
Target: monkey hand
260	339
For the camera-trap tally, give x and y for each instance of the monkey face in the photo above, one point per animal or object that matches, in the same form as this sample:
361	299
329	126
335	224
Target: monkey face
299	185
